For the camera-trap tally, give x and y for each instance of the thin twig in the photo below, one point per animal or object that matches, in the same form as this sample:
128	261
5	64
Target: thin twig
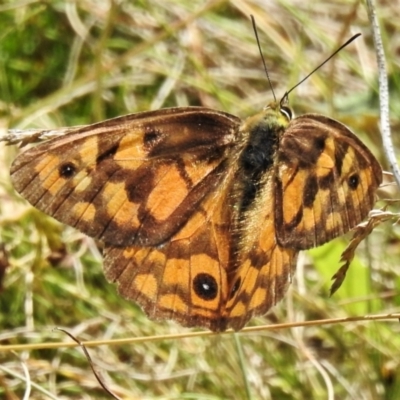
383	92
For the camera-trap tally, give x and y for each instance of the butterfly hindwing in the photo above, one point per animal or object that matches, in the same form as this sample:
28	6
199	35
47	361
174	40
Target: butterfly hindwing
265	268
185	278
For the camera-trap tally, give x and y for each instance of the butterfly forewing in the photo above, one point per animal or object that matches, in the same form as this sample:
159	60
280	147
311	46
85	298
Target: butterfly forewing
325	182
133	179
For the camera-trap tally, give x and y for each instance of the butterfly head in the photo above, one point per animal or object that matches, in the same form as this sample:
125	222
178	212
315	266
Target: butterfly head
272	120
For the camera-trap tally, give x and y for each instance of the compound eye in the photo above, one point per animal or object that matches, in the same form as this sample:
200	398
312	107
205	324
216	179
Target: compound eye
287	112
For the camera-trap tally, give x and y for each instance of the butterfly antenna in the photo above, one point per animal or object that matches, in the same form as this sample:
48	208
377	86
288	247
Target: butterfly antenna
253	21
319	66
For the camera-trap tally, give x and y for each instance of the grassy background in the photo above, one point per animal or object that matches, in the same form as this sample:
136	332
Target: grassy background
68	63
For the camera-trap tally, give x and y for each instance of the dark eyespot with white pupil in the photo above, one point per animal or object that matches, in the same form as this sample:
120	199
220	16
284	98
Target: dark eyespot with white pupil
205	286
354	181
67	170
287	112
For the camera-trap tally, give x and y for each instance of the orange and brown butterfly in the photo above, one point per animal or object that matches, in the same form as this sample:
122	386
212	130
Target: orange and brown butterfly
202	215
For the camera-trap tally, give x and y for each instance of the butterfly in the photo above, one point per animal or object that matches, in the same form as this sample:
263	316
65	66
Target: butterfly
202	215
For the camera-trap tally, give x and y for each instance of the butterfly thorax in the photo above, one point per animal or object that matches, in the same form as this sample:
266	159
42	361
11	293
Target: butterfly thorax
261	134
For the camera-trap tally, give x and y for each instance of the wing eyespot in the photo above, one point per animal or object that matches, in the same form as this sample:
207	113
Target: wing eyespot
353	181
319	143
67	170
205	286
235	288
